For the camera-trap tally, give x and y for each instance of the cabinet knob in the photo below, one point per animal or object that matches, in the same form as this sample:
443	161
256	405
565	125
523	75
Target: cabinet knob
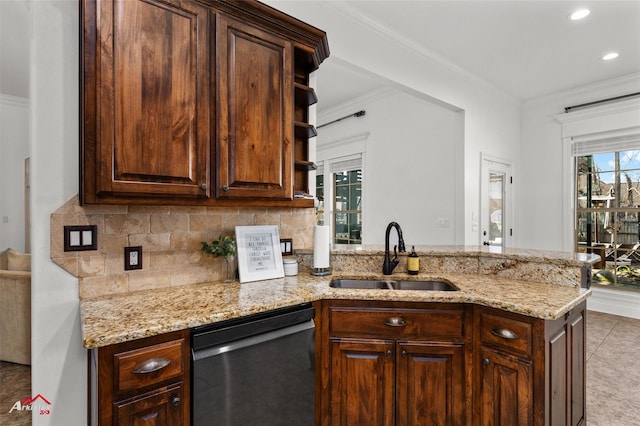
404	353
388	353
486	361
225	187
395	322
204	186
175	401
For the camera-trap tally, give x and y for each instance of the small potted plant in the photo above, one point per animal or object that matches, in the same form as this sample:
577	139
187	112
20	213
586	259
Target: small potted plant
224	246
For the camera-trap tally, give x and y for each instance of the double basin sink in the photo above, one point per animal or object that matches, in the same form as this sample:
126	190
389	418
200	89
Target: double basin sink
429	285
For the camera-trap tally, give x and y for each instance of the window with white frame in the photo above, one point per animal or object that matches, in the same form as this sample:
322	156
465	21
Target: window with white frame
608	207
339	189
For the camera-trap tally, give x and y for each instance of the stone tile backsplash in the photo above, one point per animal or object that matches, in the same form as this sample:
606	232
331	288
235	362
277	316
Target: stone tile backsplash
170	237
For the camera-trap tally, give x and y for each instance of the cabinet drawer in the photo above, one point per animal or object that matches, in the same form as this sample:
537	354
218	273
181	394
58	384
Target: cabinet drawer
147	366
507	333
396	322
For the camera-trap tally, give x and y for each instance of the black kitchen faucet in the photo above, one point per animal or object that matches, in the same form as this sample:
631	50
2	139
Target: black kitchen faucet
389	265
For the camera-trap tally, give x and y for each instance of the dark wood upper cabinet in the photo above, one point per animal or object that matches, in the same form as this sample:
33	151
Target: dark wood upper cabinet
150	100
195	102
255	81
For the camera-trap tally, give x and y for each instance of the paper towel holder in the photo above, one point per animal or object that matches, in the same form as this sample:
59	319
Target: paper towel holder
321	272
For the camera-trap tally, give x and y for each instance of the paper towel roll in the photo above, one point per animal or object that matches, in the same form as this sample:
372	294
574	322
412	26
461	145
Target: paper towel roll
321	245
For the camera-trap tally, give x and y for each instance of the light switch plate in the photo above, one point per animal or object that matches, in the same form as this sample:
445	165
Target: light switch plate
132	258
80	238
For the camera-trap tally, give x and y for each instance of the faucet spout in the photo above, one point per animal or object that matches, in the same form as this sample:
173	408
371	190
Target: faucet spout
389	264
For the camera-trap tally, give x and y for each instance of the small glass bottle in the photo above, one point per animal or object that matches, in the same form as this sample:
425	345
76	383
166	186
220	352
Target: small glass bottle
413	262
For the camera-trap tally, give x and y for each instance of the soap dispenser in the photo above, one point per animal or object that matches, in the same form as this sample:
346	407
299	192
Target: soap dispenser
413	262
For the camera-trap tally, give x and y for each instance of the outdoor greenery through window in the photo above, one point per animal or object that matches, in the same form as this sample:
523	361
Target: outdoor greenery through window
346	208
347	213
607	222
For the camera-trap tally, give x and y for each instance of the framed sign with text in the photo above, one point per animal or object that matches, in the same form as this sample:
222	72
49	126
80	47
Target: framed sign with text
259	253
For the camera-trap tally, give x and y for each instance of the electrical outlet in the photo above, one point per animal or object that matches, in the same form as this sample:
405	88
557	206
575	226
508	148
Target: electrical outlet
132	258
443	223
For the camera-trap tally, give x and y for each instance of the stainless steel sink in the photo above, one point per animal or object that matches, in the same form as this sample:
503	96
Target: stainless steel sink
425	285
363	284
429	285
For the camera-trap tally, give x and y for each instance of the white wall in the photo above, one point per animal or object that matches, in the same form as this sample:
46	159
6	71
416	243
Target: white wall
14	149
491	118
413	165
59	370
541	168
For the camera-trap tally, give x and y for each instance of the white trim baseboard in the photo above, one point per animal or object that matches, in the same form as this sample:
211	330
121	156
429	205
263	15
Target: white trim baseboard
617	302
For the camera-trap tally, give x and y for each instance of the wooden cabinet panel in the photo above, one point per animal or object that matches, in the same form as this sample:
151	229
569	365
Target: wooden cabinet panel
255	112
577	384
412	373
506	332
153	110
430	384
156	395
506	390
418	322
159	408
147	366
362	382
565	393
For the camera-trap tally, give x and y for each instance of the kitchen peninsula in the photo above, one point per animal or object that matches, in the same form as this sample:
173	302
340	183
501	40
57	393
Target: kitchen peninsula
539	297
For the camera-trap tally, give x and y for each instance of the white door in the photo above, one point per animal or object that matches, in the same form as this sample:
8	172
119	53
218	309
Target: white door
495	208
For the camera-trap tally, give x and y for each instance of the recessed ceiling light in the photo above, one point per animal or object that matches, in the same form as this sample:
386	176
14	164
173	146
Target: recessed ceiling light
610	56
579	14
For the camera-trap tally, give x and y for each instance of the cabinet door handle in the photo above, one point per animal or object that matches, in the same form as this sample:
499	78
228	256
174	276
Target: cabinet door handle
389	353
404	353
225	187
504	333
175	401
395	322
486	361
204	186
151	365
150	416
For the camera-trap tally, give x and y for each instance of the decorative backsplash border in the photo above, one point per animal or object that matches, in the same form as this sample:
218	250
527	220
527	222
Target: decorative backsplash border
170	237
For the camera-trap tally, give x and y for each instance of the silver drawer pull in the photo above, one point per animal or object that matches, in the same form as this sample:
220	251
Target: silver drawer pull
395	322
151	365
504	333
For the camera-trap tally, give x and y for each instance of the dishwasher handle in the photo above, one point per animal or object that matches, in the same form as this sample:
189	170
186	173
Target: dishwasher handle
251	341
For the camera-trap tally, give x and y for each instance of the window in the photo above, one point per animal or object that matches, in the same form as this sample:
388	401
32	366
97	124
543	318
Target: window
608	215
340	198
347	211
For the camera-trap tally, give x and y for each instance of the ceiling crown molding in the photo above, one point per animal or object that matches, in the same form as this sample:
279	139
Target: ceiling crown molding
348	11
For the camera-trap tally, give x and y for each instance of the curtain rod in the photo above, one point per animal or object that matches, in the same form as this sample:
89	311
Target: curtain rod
355	114
616	98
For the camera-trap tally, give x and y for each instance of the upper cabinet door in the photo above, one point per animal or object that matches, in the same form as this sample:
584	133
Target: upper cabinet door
153	99
255	107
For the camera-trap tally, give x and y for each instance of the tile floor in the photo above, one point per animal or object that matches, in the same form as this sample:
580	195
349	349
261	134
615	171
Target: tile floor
15	385
613	370
613	375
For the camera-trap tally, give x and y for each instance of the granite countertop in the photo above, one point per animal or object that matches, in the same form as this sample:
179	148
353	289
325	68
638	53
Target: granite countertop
118	318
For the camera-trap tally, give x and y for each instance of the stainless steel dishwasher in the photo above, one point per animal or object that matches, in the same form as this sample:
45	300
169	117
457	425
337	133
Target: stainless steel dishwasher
256	370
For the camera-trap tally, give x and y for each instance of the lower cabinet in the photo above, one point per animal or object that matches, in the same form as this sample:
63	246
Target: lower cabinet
159	407
507	385
141	382
394	363
529	371
405	363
